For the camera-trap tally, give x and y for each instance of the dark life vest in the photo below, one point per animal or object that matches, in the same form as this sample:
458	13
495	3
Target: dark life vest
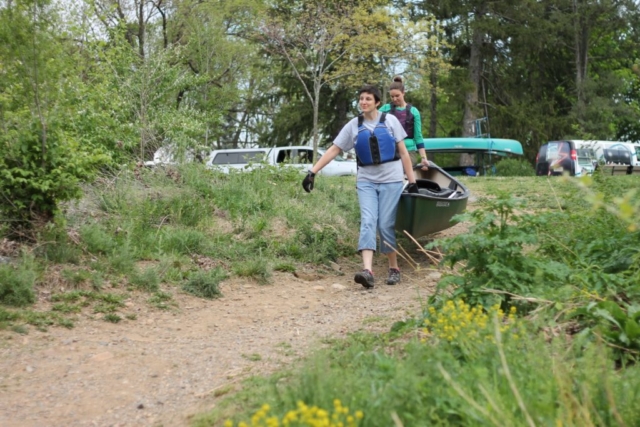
374	148
405	118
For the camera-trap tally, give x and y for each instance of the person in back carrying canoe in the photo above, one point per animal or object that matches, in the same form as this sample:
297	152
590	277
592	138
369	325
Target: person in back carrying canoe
383	161
409	118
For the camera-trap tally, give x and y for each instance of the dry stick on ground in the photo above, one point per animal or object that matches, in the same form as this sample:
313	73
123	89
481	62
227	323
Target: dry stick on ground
424	251
408	258
516	296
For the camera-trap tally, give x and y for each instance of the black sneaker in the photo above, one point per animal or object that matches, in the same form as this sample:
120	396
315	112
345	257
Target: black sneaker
394	276
365	278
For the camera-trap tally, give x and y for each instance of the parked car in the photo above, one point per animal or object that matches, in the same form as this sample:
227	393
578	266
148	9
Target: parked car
299	157
575	157
235	158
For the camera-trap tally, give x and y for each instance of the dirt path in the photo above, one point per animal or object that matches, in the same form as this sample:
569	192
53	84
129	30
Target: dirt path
164	366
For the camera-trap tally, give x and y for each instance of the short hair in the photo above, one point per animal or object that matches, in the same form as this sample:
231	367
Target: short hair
371	90
397	84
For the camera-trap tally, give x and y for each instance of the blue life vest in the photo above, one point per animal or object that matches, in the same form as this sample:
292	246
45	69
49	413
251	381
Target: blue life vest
374	148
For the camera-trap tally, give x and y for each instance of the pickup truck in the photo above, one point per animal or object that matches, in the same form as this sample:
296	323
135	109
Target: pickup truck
299	157
235	158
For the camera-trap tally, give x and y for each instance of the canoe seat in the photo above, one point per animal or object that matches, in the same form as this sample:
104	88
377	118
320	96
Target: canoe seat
428	184
431	188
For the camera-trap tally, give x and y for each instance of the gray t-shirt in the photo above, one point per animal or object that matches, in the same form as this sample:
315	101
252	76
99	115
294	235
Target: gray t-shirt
385	172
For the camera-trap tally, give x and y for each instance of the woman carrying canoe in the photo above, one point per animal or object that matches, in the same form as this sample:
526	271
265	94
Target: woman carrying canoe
383	161
409	118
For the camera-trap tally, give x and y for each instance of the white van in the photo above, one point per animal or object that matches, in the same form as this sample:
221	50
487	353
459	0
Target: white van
575	157
636	151
580	157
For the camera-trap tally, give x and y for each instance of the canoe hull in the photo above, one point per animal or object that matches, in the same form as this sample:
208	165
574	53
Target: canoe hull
441	197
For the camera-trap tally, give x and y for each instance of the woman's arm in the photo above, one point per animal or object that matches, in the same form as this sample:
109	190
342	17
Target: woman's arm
407	165
417	137
328	155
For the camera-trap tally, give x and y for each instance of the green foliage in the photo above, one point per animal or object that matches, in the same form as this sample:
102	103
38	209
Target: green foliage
161	300
514	167
147	280
257	269
113	318
430	383
42	162
495	257
97	239
205	284
618	325
17	283
56	245
183	241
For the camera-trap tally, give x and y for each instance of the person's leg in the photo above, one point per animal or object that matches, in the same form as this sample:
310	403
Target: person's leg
387	210
388	199
368	199
367	259
393	259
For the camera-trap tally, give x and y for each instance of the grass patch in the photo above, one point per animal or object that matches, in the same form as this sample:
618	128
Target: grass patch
427	384
161	300
257	269
147	280
17	283
205	284
253	357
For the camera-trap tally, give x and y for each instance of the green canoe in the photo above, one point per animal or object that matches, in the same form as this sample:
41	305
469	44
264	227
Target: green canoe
473	145
440	198
485	151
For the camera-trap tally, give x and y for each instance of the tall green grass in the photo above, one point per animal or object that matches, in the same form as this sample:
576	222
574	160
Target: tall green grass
395	381
243	224
563	255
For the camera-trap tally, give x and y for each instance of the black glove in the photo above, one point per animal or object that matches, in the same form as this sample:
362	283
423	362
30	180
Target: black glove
412	188
307	183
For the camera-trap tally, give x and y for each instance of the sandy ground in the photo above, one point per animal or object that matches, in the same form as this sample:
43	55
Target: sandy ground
167	365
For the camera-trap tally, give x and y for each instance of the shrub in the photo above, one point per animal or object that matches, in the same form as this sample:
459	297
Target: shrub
36	180
514	167
205	284
16	284
257	269
97	240
147	280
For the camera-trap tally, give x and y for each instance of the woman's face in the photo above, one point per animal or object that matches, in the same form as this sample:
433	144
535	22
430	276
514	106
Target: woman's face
397	97
367	102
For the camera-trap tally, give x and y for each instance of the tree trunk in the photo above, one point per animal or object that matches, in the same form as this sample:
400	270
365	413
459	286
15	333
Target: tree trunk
433	106
141	27
316	113
471	97
581	38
